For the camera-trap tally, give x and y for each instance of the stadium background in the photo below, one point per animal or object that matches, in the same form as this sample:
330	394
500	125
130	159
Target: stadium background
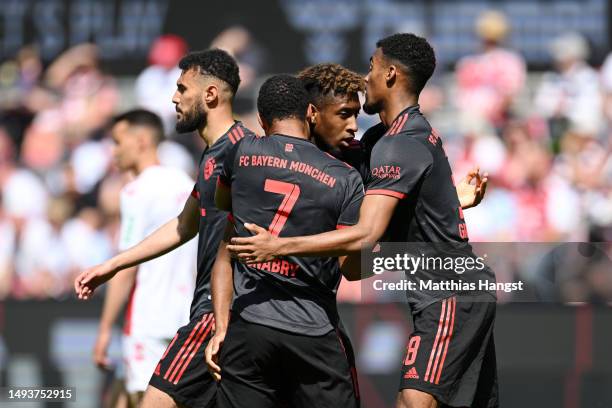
543	135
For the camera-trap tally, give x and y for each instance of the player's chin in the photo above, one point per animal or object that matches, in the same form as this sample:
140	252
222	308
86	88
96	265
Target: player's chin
370	108
345	143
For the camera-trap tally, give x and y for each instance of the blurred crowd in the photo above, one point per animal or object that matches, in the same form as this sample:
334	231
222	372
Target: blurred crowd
543	137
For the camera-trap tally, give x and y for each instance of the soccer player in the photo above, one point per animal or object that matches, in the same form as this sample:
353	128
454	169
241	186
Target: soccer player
283	346
334	92
153	197
410	197
205	90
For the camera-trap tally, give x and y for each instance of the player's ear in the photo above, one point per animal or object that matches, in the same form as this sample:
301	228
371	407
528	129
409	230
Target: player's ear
391	74
211	94
311	114
262	123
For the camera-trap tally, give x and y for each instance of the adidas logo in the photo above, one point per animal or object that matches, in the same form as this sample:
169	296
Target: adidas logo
412	373
157	369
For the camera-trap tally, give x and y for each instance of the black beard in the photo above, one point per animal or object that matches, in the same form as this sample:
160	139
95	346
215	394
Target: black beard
371	108
193	121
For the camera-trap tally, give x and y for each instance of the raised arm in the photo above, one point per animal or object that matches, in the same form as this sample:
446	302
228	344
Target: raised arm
169	236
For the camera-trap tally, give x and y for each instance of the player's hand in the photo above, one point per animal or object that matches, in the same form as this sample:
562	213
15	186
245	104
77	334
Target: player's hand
212	355
470	195
100	355
86	283
261	247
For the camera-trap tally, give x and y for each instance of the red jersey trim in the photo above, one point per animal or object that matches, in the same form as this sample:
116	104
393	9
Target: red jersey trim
391	193
195	194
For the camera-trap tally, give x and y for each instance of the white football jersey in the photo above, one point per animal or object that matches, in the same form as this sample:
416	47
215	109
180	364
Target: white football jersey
159	303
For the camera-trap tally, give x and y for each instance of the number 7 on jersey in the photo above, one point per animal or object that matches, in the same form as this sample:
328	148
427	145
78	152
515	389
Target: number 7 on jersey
291	193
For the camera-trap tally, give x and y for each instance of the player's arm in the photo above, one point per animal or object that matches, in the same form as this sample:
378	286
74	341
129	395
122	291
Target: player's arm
222	290
374	217
383	194
116	297
169	236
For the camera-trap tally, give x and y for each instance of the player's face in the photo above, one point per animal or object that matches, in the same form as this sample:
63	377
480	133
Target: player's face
375	84
190	113
336	121
125	148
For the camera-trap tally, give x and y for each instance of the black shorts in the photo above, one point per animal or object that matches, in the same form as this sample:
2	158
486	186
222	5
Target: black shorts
182	372
266	367
451	354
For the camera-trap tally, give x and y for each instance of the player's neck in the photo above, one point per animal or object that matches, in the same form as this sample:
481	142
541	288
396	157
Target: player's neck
395	104
218	122
146	161
290	127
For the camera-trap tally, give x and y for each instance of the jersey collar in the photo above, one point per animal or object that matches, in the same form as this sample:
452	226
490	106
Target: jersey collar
401	119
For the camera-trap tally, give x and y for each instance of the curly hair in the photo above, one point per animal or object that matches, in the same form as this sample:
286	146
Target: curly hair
329	79
214	62
414	53
282	97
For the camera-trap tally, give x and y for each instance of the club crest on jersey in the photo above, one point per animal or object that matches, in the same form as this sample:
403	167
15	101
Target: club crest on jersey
387	172
209	167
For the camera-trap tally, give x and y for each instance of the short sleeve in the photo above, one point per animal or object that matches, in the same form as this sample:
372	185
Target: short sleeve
397	166
195	192
351	203
227	171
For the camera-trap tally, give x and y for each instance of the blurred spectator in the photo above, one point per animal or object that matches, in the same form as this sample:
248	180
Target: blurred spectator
251	57
86	243
156	84
24	195
606	85
488	82
42	262
8	235
239	43
570	97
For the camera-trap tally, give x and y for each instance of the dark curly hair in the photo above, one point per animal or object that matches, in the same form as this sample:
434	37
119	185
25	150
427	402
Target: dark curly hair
214	62
414	53
281	97
329	79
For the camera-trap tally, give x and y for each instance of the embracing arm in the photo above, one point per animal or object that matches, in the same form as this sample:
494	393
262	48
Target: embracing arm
374	217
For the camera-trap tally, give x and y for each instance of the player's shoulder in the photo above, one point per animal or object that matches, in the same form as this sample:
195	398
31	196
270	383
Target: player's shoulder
373	134
238	132
163	179
410	122
339	168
